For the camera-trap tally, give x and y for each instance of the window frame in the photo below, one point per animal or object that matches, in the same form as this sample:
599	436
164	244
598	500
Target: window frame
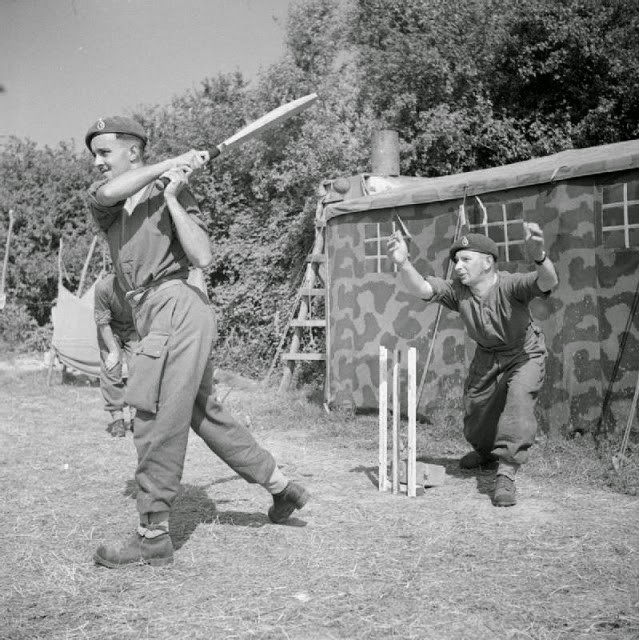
503	224
626	226
380	240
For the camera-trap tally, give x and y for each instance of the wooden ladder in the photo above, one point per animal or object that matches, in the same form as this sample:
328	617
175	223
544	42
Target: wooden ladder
313	286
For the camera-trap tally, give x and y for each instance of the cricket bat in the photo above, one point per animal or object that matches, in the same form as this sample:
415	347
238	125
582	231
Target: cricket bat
259	126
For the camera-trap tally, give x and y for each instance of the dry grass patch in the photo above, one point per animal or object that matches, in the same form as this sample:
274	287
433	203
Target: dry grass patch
562	564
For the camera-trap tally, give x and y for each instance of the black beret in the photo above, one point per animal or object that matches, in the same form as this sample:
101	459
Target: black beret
115	124
474	242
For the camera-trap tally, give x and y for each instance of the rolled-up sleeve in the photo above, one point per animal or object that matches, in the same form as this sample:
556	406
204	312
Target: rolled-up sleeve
524	287
443	292
102	214
101	307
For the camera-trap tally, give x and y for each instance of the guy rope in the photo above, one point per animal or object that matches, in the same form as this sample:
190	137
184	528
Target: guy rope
5	264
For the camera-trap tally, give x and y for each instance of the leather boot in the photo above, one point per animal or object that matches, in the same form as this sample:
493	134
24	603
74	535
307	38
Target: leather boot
505	494
295	496
117	428
137	549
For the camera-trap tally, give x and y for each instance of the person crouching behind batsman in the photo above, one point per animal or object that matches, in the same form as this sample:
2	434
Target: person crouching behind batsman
155	235
509	363
117	339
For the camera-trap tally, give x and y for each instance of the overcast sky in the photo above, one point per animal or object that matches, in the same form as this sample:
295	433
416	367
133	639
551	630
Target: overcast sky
64	63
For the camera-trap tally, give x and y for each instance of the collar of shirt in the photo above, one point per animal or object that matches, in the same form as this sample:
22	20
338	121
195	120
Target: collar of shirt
133	201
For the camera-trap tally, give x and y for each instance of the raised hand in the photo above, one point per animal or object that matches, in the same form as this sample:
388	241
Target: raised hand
534	239
397	249
193	158
177	178
112	359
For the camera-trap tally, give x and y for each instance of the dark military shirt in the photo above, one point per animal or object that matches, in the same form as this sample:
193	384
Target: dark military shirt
144	245
500	319
111	307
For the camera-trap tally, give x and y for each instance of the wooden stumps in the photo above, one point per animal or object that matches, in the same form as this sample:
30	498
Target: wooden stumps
396	423
411	448
383	419
396	462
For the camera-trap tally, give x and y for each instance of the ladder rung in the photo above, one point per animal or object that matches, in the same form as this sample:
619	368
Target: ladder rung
304	356
308	323
312	292
315	257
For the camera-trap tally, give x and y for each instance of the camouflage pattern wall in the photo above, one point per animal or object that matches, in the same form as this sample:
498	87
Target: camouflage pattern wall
583	320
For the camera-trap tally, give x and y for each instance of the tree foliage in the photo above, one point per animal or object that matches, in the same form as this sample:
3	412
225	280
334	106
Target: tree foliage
45	189
475	83
571	61
467	84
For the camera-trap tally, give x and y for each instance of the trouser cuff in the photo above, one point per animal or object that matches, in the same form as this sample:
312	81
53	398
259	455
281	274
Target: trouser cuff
154	517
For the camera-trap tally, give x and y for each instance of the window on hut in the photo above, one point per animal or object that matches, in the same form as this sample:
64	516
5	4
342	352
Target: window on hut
503	222
620	215
376	235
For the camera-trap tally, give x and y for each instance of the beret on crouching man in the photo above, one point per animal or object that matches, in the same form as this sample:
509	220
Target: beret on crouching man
474	242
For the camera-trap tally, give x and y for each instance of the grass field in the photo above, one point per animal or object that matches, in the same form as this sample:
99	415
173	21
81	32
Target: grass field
562	564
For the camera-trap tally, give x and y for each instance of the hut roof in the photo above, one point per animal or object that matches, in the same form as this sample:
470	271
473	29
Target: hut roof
564	165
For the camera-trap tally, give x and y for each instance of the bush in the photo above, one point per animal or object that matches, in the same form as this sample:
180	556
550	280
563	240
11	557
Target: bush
19	331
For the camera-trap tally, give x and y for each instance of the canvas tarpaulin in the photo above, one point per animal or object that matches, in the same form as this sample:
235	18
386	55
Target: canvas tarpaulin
565	165
75	340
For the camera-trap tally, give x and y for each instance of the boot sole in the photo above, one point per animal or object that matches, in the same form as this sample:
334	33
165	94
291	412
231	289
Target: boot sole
504	504
154	562
508	502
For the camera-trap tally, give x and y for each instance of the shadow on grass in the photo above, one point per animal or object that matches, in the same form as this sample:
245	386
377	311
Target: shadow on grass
193	507
484	477
69	379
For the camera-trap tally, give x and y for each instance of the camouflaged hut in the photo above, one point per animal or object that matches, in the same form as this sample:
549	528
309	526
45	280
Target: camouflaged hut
586	201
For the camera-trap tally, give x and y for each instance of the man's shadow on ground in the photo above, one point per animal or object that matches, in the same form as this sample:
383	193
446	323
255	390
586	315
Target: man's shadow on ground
484	476
193	506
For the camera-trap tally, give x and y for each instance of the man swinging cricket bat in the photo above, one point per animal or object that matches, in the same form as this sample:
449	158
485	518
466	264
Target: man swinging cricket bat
155	234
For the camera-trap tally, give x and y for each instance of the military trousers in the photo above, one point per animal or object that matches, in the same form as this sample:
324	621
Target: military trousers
112	381
499	401
171	385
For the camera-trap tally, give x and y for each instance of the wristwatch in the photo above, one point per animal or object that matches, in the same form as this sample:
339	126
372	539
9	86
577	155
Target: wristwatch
543	259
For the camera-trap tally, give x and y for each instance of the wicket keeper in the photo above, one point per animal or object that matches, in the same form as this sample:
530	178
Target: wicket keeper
508	368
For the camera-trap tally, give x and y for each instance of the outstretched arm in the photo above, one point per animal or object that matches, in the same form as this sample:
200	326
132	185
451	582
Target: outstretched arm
126	184
398	252
546	275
